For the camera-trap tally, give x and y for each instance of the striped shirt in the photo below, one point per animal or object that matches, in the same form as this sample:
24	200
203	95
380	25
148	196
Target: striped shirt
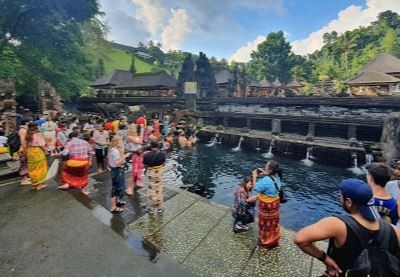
77	148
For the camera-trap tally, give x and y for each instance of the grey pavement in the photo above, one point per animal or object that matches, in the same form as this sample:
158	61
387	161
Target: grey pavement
59	233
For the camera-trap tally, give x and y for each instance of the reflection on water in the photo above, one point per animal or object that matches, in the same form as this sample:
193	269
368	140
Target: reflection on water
214	172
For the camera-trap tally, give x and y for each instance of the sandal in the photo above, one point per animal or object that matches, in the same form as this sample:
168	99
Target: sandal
117	210
129	192
121	203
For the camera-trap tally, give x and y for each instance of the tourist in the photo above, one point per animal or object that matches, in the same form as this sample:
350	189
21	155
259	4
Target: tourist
268	202
153	136
344	245
62	137
116	158
123	133
108	125
393	187
378	174
75	123
141	121
88	128
156	129
101	139
165	124
135	143
49	133
182	140
3	142
147	132
243	206
75	171
115	125
23	163
154	162
36	156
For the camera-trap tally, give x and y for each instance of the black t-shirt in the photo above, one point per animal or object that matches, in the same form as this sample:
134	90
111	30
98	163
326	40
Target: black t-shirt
154	158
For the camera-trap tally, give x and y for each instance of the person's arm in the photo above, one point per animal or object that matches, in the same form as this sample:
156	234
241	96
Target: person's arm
66	150
327	228
394	214
119	161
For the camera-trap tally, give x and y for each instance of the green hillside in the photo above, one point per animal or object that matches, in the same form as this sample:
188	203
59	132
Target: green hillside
118	59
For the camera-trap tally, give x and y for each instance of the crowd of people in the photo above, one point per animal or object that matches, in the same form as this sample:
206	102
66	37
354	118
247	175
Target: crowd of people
373	213
116	145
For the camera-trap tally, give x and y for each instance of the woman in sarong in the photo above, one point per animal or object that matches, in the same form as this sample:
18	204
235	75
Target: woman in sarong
23	168
75	171
156	128
135	147
36	157
268	203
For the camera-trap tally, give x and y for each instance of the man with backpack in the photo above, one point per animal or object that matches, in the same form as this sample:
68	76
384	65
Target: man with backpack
360	244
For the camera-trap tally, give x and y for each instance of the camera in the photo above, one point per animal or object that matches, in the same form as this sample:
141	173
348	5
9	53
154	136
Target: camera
259	171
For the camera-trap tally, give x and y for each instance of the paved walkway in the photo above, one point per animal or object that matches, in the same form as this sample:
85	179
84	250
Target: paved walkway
50	233
198	234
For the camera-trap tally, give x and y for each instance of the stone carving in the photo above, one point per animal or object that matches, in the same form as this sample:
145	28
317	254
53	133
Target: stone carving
391	137
49	99
8	106
112	110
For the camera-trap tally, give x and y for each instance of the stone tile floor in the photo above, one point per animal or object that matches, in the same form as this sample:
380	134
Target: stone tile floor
198	234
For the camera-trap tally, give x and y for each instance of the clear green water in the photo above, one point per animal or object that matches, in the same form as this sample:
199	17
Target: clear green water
214	172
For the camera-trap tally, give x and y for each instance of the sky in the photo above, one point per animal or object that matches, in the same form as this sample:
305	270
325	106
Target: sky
232	29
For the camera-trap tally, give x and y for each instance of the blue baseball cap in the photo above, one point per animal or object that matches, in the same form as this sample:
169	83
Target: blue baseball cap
361	194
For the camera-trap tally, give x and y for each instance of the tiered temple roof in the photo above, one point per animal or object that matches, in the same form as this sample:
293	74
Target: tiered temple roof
372	78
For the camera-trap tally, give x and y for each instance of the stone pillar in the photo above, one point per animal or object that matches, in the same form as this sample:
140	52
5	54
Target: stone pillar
49	99
352	132
276	126
311	129
248	123
226	122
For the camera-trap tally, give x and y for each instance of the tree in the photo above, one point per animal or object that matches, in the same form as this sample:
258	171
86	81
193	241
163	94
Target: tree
205	78
132	68
185	75
389	41
271	59
100	70
218	65
233	83
390	18
46	39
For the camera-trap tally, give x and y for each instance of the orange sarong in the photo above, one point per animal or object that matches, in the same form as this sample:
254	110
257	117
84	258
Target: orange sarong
269	221
75	172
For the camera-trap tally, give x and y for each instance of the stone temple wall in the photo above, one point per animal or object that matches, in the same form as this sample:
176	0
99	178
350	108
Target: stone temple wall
8	106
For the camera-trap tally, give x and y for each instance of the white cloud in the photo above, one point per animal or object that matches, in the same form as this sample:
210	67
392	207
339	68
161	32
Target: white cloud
175	32
348	19
151	13
243	53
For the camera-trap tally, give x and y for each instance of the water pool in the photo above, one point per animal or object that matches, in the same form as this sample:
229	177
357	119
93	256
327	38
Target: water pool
214	173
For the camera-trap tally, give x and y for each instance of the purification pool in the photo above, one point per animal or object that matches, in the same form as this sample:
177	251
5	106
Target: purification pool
214	173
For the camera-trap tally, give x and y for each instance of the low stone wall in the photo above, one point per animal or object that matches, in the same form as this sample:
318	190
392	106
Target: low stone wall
324	151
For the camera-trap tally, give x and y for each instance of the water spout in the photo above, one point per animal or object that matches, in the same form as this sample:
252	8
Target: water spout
356	169
237	148
258	145
269	154
213	141
307	161
220	140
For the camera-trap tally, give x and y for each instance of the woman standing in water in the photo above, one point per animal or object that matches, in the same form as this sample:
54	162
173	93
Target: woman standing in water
268	202
135	143
36	156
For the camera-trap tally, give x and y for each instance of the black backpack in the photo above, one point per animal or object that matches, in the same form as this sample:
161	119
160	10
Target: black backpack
14	142
375	260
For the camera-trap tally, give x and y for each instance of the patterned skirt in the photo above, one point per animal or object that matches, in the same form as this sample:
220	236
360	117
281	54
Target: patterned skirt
268	221
37	164
137	167
154	176
75	172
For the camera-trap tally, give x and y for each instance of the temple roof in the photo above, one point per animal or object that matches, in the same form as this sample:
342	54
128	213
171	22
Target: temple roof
277	83
294	84
253	83
372	78
150	80
223	77
115	78
264	83
383	62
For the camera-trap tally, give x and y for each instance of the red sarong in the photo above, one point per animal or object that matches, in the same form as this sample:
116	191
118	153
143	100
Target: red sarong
75	172
137	167
268	223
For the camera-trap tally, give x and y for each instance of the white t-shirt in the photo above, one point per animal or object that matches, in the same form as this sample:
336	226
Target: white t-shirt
393	188
100	138
3	141
113	156
49	126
